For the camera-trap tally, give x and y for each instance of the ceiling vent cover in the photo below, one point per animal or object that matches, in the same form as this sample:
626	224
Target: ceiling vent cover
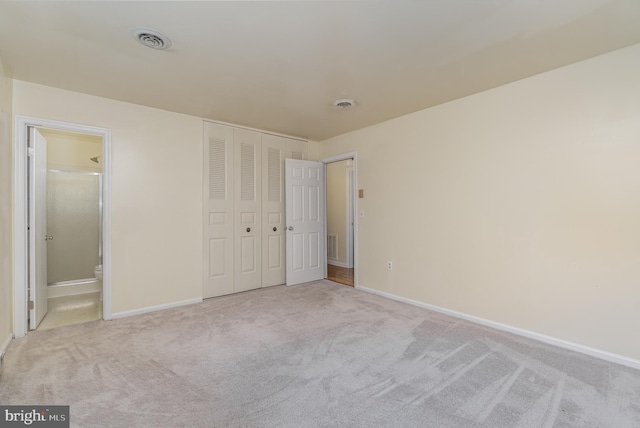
151	38
344	103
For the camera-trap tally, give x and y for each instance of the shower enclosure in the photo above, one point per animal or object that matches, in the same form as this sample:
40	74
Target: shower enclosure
74	226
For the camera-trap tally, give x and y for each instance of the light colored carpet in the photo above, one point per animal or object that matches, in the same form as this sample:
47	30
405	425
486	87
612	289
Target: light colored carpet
313	355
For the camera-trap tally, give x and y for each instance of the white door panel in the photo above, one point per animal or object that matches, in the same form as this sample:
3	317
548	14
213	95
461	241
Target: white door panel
273	154
274	151
38	229
306	240
245	230
218	230
248	184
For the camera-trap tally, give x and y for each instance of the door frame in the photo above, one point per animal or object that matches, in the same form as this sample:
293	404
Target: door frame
351	215
20	210
337	158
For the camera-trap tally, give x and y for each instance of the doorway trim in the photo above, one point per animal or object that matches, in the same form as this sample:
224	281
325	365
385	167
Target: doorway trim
337	158
20	210
351	216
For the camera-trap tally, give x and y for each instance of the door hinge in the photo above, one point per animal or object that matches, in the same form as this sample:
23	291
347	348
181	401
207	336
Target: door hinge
31	305
30	151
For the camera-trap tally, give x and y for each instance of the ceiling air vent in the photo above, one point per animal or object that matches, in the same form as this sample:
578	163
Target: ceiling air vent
344	103
151	38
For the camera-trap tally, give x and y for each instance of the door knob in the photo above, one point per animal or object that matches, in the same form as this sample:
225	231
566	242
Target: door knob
248	229
275	229
48	238
290	227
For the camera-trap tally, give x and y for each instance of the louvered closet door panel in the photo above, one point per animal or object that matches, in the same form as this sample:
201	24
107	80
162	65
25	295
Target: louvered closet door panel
273	251
248	219
274	151
218	210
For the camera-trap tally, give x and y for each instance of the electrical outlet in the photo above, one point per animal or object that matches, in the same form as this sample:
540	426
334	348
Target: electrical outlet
390	265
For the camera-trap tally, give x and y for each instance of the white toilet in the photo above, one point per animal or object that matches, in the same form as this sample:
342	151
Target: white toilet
97	271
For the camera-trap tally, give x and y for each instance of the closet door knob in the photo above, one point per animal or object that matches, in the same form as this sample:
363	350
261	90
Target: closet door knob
275	229
248	229
290	227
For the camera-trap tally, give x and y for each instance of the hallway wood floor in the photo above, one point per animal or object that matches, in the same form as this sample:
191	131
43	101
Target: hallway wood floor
340	274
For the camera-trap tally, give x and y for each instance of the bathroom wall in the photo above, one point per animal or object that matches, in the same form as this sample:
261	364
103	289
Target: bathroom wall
156	192
6	206
73	210
71	151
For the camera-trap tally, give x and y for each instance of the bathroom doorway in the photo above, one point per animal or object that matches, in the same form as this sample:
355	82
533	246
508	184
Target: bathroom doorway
62	224
73	228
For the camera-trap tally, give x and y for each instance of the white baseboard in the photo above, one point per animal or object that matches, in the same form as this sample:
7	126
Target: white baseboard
155	308
598	353
74	289
337	263
4	346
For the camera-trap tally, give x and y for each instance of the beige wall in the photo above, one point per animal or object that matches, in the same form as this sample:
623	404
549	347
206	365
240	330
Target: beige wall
156	192
313	150
6	204
337	207
519	205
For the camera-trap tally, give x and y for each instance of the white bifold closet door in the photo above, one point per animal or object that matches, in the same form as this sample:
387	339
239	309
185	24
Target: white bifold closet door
244	198
233	219
218	214
275	150
248	214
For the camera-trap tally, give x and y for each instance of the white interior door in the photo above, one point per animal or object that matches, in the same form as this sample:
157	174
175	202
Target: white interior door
248	223
305	211
37	228
218	212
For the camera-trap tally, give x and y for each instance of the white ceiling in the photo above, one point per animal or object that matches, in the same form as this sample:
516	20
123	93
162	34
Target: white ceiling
279	66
